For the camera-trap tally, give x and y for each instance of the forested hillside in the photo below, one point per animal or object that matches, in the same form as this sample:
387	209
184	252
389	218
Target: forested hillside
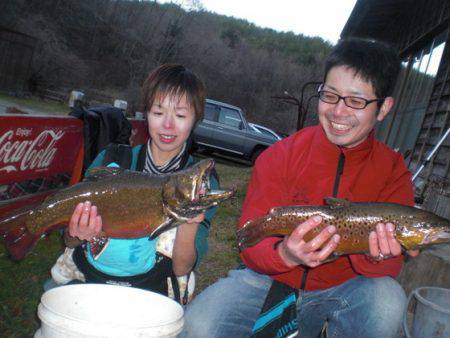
111	45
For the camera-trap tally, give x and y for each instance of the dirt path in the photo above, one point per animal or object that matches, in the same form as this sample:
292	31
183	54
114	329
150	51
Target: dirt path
5	103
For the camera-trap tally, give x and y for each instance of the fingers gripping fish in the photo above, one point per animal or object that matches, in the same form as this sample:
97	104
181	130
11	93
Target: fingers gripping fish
132	205
415	228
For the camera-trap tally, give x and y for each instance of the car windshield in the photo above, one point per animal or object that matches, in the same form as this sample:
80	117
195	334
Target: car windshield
265	131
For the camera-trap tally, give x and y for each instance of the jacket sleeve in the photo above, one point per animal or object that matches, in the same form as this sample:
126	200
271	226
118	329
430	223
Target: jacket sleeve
398	189
267	188
201	239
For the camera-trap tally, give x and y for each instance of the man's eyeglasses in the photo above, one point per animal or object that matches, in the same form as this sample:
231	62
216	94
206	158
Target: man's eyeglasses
350	101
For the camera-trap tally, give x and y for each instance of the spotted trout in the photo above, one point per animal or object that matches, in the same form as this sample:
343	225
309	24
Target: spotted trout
415	228
131	204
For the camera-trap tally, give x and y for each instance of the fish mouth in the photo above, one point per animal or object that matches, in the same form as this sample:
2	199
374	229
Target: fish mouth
204	196
189	193
202	187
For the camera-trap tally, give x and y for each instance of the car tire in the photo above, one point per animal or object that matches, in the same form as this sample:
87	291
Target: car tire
256	153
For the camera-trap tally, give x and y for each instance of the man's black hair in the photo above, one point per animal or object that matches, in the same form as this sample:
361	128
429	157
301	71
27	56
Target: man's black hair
374	61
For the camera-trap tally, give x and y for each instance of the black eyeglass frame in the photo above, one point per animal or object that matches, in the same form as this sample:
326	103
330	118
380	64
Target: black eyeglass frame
344	98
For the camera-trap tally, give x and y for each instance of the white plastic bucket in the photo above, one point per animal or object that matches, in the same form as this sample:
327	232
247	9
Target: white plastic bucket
121	104
75	96
100	310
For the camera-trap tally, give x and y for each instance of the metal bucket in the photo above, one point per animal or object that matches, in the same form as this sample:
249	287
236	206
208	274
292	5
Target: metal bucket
431	313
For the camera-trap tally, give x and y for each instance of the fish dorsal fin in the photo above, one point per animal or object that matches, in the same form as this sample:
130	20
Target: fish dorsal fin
101	172
275	210
334	202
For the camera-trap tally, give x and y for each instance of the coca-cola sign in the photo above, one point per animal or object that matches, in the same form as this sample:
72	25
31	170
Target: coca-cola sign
33	147
37	153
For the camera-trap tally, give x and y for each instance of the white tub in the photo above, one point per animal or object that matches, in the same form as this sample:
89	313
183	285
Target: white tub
99	310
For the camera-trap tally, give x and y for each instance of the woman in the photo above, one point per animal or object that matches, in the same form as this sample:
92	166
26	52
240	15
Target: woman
174	100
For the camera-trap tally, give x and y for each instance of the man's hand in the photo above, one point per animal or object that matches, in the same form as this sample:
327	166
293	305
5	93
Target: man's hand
294	251
383	244
85	223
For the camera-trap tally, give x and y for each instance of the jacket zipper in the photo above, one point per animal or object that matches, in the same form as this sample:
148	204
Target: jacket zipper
337	180
339	171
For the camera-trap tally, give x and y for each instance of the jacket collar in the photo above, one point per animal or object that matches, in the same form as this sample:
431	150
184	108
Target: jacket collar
358	153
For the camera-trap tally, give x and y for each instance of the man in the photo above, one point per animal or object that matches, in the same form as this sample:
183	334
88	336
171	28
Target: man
355	294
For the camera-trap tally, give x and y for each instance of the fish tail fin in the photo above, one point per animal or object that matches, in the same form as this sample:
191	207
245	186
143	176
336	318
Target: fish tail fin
19	240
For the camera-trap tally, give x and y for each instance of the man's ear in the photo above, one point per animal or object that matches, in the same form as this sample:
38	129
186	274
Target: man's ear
385	108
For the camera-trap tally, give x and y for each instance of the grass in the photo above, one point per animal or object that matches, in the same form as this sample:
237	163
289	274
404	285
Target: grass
35	104
21	282
223	254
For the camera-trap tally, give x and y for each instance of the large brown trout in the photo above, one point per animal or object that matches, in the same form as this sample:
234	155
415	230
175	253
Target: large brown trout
131	204
415	228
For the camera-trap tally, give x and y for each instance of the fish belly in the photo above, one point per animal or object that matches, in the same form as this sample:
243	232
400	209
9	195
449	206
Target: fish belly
126	213
353	235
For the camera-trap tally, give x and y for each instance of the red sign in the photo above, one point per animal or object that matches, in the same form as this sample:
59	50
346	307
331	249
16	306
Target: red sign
38	146
139	133
39	154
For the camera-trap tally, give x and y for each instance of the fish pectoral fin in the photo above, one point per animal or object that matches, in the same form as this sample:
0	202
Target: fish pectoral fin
100	172
167	225
331	258
98	246
334	202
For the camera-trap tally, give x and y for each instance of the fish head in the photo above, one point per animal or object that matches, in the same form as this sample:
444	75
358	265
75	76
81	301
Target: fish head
188	193
422	230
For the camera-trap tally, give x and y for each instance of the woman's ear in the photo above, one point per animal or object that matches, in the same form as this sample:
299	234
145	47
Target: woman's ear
385	108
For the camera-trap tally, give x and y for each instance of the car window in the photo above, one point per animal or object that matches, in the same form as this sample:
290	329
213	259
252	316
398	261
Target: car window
210	112
266	132
230	117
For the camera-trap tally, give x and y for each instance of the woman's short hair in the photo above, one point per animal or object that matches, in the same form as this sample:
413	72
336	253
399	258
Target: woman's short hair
174	79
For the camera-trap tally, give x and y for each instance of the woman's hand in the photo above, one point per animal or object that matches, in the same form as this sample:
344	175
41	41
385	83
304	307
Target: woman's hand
383	244
196	220
85	223
184	253
294	251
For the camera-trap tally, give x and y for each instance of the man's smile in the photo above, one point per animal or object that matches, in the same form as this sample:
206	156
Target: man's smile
340	126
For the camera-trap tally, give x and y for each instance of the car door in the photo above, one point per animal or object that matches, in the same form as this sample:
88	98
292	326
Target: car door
203	131
229	133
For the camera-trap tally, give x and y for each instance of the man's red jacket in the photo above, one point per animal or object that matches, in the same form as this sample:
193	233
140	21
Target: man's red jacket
301	170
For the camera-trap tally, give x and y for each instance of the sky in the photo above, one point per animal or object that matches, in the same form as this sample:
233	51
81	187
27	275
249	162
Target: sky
324	18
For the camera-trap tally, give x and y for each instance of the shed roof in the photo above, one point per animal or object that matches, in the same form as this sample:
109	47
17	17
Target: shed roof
379	19
399	22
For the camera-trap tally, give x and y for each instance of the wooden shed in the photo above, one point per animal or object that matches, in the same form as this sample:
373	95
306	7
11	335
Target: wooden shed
419	29
16	53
